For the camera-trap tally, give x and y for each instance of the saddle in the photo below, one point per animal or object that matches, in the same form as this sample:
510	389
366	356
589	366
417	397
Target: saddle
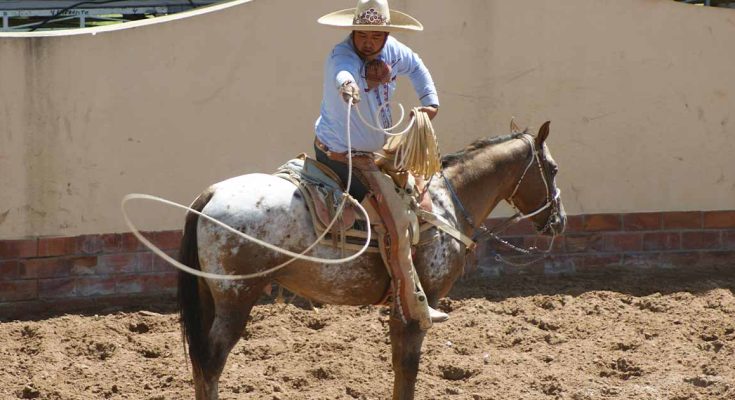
323	191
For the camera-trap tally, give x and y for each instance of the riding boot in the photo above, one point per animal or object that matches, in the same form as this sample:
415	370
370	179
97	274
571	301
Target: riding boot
410	300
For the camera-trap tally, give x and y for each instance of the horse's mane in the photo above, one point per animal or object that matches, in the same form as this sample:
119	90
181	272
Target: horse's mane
464	154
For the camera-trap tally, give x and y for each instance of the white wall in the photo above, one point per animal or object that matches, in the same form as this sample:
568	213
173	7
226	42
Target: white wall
640	94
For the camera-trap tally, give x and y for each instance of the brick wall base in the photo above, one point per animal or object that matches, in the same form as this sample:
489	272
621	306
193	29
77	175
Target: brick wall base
595	243
58	274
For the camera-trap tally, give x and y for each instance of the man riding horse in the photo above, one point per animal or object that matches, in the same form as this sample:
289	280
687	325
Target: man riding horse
364	68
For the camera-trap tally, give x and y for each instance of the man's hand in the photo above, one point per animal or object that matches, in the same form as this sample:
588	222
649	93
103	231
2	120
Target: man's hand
350	90
430	110
377	72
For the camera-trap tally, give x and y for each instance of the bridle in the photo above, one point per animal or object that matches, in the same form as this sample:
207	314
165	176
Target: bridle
553	201
553	194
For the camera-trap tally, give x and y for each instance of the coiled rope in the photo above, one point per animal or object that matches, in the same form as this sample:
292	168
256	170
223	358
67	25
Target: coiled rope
416	148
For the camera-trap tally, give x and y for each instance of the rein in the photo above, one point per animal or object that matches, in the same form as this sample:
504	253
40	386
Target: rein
482	232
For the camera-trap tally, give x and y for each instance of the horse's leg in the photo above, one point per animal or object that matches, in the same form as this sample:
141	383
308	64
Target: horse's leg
405	340
231	311
198	355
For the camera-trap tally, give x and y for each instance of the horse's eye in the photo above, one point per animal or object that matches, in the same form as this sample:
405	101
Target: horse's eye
554	170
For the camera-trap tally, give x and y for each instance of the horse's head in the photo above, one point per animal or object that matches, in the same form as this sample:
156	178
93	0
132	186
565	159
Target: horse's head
536	194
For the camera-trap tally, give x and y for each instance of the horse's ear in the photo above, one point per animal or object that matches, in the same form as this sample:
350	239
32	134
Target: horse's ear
543	133
514	128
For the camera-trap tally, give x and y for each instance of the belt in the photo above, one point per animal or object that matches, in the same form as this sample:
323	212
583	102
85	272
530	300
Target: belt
341	157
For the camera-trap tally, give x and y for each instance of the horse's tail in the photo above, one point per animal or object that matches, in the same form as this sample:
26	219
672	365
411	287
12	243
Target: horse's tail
190	310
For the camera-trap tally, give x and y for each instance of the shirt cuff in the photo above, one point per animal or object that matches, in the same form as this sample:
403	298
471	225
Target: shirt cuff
430	100
344	76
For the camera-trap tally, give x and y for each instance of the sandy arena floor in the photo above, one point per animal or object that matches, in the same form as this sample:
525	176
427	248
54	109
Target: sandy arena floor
609	337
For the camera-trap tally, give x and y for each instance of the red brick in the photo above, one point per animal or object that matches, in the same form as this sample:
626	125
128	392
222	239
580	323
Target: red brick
719	219
166	240
542	243
128	284
89	244
130	243
111	243
160	282
56	288
575	224
57	246
559	266
602	222
18	290
661	241
146	262
146	283
679	259
18	248
598	261
717	258
9	270
536	266
701	240
642	221
728	240
641	260
117	263
496	246
86	265
576	243
623	242
524	227
494	221
54	267
95	286
682	220
161	265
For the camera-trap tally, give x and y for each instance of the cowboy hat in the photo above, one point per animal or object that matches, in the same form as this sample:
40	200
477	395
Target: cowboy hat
372	15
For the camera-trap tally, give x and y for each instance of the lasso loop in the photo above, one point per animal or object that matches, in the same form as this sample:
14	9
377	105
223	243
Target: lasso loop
386	131
295	256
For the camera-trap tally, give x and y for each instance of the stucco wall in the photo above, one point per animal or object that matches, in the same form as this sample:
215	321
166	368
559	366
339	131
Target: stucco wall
640	92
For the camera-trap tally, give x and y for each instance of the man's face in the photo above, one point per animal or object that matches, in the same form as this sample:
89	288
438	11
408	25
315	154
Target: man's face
369	43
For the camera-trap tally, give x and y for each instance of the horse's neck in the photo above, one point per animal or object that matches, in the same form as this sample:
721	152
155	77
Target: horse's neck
488	177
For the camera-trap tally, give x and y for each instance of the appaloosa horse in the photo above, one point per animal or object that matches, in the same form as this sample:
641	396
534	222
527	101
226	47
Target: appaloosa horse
517	168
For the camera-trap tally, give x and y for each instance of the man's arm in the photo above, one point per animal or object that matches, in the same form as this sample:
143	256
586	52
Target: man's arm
410	64
431	111
343	70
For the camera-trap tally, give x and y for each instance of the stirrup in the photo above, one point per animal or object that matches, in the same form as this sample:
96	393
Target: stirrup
437	316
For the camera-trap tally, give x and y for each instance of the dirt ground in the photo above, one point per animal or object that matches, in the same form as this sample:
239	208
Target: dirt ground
582	338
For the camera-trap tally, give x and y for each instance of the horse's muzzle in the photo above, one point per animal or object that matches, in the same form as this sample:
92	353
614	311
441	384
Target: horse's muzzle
557	219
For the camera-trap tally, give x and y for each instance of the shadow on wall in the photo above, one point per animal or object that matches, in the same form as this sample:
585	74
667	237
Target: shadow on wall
713	3
65	15
621	280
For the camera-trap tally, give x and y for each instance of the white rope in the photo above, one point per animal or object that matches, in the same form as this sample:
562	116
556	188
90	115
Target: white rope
386	131
295	256
418	151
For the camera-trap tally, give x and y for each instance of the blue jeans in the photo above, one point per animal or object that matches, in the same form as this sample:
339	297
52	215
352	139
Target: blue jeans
358	188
